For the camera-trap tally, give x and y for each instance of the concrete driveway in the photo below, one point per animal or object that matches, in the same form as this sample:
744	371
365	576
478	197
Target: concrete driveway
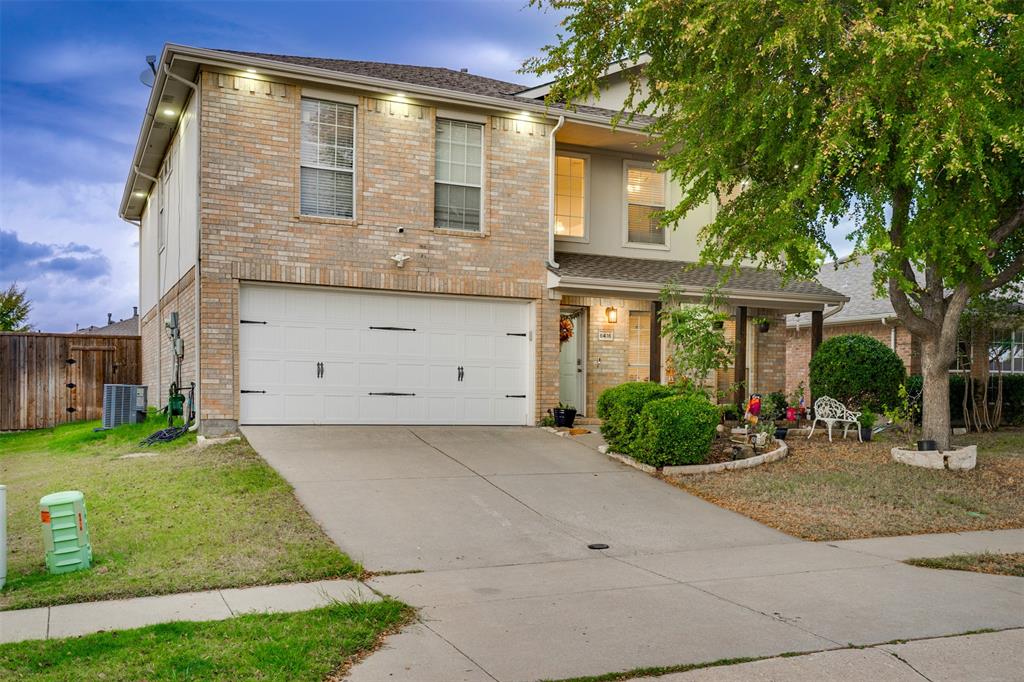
498	520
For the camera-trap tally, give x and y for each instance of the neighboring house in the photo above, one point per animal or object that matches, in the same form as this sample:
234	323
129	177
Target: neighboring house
382	243
126	327
864	313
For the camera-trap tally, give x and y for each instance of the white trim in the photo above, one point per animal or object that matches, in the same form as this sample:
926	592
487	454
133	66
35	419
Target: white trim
585	239
330	96
581	335
634	287
626	165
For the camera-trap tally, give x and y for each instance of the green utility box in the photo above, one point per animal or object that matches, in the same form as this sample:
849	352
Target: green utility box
65	531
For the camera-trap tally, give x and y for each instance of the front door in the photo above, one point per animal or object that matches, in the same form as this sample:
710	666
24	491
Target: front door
571	359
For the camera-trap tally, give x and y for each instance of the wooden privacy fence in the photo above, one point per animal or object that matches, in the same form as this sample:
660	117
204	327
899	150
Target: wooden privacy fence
50	379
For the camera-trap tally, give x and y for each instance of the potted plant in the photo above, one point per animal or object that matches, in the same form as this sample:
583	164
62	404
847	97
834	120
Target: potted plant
763	324
867	422
565	415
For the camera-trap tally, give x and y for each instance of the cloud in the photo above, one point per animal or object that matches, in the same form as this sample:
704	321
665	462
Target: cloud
67	61
32	260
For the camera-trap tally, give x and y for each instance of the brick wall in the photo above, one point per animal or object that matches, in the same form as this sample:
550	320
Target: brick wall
252	230
157	359
767	353
798	347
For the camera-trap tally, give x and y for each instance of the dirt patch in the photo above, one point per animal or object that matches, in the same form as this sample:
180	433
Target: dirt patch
846	489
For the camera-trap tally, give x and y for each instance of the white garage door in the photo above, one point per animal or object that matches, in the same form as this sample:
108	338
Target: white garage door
310	355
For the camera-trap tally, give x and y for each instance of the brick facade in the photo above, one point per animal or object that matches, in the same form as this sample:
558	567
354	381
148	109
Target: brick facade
251	228
157	358
798	347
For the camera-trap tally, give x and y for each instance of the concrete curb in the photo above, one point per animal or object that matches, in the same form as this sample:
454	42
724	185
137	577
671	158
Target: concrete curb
695	469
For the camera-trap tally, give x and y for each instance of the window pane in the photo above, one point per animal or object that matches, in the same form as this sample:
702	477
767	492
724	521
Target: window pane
645	194
458	175
327	157
570	199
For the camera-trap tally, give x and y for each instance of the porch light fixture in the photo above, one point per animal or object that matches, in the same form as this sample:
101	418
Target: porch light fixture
611	314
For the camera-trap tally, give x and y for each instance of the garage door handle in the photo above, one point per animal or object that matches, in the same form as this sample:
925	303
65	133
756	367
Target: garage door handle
319	370
391	393
462	373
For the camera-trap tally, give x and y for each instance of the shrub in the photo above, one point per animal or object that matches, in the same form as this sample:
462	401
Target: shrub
620	407
676	430
729	411
858	371
778	402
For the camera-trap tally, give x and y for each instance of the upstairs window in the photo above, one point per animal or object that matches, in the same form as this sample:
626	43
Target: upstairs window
570	196
645	197
458	175
327	159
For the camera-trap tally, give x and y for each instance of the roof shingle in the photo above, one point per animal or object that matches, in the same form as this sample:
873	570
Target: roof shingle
683	273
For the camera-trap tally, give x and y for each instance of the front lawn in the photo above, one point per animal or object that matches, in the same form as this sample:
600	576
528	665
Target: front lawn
183	519
307	645
999	564
847	489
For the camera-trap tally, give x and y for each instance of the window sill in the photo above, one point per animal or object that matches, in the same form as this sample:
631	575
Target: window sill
351	222
643	245
576	240
460	233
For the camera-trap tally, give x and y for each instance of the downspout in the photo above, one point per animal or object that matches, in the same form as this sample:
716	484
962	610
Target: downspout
551	194
196	278
892	332
830	313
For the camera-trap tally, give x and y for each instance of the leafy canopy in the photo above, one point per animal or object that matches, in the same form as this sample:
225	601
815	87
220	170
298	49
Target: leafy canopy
803	111
14	309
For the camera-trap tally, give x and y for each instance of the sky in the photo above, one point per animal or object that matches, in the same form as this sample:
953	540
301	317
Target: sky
71	106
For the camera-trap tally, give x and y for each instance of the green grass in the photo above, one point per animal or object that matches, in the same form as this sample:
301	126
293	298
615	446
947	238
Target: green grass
998	564
186	519
308	645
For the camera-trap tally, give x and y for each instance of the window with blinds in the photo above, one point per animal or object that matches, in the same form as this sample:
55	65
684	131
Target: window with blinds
645	197
458	175
327	159
639	366
570	196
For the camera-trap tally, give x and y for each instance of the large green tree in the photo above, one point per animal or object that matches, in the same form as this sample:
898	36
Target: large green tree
14	309
904	117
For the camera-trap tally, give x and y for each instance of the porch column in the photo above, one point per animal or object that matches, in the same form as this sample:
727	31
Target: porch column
817	320
656	342
740	378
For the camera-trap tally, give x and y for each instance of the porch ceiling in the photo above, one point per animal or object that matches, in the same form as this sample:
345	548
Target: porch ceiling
644	278
603	137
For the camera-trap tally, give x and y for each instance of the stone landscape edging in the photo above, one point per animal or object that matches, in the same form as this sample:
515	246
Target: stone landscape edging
694	469
959	458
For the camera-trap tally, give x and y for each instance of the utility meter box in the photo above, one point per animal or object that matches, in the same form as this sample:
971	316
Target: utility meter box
65	531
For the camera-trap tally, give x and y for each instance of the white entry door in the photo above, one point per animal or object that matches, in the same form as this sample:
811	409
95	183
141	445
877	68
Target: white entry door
311	355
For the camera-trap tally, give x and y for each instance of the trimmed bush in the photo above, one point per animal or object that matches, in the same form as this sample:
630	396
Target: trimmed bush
676	430
620	407
858	371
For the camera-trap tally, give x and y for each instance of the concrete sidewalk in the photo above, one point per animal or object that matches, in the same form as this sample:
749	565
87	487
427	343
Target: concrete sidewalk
70	620
979	658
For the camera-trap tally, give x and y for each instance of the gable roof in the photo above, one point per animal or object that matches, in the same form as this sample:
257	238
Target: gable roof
128	327
853	277
686	274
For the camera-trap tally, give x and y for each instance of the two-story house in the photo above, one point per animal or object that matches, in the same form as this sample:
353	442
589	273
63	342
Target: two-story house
367	243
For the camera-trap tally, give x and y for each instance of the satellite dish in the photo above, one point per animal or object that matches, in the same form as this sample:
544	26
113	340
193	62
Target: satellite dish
146	77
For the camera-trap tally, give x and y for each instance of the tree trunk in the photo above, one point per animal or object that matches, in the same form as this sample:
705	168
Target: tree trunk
935	408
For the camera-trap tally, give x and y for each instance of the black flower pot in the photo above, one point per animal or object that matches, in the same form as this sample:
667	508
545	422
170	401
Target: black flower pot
564	416
762	327
718	324
780	432
927	445
865	434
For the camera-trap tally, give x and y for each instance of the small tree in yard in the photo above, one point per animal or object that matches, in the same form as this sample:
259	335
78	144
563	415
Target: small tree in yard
905	116
697	335
14	309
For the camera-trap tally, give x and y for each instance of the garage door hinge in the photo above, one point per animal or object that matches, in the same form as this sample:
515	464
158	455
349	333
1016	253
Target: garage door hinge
396	329
245	391
515	396
252	321
523	334
391	393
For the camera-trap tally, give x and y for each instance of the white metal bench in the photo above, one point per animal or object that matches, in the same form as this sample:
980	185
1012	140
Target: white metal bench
832	412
